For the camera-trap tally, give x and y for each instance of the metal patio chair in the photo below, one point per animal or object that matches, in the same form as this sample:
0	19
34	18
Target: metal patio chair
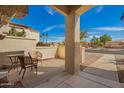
27	62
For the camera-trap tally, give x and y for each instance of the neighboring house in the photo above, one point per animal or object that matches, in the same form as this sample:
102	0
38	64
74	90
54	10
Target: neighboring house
30	33
115	44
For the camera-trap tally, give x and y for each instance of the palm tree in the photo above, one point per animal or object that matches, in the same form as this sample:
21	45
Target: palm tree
122	17
42	36
46	35
83	35
104	38
96	42
94	39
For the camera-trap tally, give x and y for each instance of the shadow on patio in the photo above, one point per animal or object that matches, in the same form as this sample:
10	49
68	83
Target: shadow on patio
46	70
103	73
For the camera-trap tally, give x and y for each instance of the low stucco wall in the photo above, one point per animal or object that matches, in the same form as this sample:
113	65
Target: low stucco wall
47	52
83	54
60	53
10	43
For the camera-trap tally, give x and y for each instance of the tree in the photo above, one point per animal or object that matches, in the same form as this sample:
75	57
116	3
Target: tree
46	35
83	35
122	17
104	38
100	41
42	36
96	42
93	40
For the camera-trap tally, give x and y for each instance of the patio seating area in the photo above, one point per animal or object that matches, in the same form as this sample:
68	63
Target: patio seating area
46	70
100	72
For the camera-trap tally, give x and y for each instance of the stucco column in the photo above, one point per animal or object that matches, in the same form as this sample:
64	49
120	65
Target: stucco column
72	47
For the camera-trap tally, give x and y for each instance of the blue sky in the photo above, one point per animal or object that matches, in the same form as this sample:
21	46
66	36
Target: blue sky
97	21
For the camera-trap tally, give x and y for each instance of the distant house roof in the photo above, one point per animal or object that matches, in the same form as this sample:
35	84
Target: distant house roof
22	27
18	25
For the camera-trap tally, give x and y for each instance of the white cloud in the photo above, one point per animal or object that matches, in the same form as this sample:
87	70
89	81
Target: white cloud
91	36
56	38
50	10
99	9
109	28
49	28
94	32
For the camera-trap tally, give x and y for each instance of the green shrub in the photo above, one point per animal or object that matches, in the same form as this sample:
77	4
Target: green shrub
14	32
21	34
42	44
104	38
100	42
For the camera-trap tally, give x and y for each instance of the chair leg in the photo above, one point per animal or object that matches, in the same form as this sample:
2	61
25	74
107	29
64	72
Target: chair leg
10	68
23	73
36	70
20	71
17	69
31	68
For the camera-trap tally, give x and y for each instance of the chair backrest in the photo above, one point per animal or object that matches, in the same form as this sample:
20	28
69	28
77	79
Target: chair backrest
39	54
33	54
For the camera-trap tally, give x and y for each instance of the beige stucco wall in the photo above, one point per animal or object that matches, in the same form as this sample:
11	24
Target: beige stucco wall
10	43
61	52
32	35
47	52
83	54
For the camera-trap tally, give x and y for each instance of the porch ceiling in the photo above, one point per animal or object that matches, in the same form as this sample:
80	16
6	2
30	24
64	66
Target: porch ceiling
19	11
67	9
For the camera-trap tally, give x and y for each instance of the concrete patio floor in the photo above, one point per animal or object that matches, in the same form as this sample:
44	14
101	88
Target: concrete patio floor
101	73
